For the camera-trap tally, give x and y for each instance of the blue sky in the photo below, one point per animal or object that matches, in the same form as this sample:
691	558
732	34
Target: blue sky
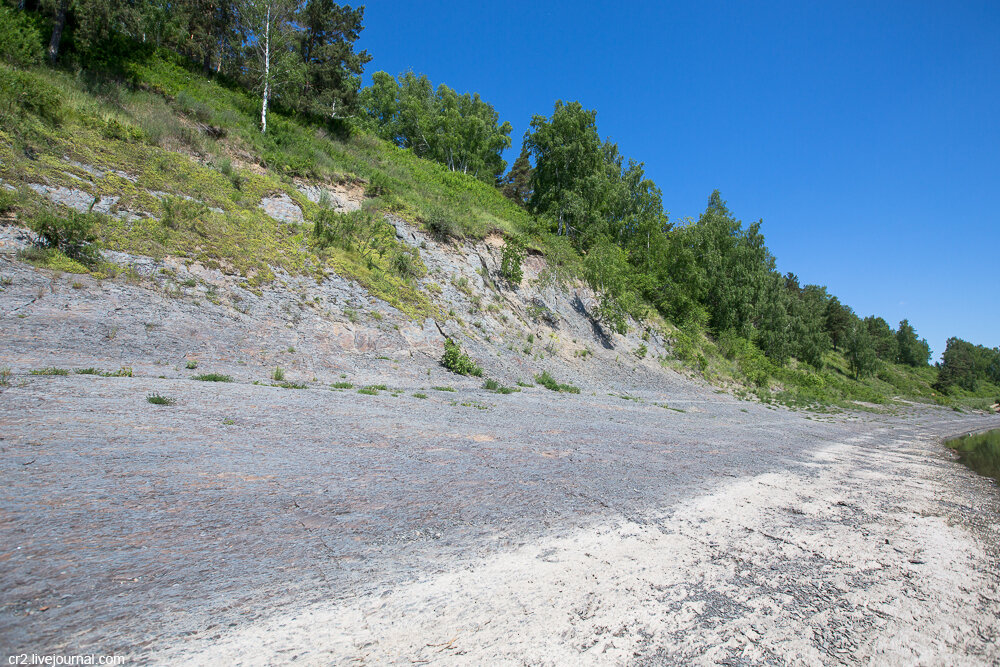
866	135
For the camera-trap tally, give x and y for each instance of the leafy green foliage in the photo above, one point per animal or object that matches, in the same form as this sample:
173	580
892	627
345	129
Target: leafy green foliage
457	361
860	351
20	38
72	234
912	351
157	399
462	132
511	259
966	365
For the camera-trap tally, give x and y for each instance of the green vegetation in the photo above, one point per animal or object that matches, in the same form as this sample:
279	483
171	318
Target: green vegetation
278	375
176	117
494	386
5	375
549	382
370	391
342	385
981	452
191	364
443	389
457	361
156	399
213	377
50	370
419	395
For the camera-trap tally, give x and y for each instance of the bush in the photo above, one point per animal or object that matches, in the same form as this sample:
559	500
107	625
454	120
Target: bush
71	235
156	399
20	40
443	226
510	261
457	361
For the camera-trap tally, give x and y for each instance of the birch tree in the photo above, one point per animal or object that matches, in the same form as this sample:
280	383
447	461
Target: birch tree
268	39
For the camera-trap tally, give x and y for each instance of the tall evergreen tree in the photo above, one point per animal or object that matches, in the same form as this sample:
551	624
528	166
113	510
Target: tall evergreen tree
328	32
516	185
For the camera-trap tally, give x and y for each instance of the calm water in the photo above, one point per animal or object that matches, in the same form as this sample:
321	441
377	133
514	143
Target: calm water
981	452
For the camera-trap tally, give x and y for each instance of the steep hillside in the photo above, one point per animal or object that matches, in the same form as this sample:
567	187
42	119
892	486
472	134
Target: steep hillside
349	237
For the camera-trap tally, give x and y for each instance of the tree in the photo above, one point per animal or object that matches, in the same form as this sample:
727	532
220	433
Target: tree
516	185
267	37
568	158
883	338
912	351
332	67
609	273
839	319
462	132
860	351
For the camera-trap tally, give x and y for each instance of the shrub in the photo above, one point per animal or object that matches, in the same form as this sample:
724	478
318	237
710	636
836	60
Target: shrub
457	361
5	376
419	395
510	261
156	399
549	382
442	225
278	375
343	385
378	185
368	391
191	365
71	235
640	351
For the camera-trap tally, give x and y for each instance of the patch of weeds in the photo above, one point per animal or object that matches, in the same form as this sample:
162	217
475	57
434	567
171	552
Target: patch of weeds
51	370
291	350
475	404
123	372
351	315
443	389
420	395
278	375
191	364
368	391
667	407
87	371
6	281
343	385
156	399
228	422
77	285
213	377
640	351
290	385
549	382
376	315
382	357
493	385
457	361
5	376
522	383
380	387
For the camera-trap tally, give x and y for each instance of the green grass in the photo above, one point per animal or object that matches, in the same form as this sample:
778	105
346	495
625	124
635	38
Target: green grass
191	365
50	370
549	382
156	399
419	395
213	377
370	391
442	389
342	385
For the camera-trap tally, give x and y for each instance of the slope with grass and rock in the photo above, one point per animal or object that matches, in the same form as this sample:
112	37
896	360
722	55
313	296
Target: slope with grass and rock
232	426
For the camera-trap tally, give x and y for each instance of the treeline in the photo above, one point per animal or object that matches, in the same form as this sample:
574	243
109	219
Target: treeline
965	365
299	53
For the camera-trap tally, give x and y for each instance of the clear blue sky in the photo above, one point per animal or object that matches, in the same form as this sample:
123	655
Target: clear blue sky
866	135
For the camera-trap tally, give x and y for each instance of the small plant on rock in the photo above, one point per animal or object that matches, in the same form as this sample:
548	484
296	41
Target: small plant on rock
156	399
457	361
